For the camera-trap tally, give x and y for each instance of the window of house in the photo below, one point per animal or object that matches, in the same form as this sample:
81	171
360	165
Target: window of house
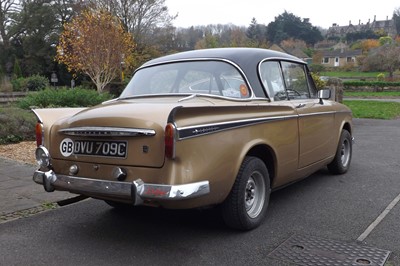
325	60
350	59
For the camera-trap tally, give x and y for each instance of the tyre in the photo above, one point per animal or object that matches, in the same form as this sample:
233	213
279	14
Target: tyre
246	205
341	162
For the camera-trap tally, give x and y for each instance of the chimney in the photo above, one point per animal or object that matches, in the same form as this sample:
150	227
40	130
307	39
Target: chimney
375	18
359	22
349	22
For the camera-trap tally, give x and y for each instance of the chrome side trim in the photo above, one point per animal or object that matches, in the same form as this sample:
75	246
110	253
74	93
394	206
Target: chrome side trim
136	191
318	114
200	130
205	129
107	132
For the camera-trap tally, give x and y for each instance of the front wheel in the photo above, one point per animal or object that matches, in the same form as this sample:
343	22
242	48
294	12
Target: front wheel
341	162
246	205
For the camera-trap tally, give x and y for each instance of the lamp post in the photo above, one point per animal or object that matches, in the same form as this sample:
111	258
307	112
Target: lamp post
53	76
122	67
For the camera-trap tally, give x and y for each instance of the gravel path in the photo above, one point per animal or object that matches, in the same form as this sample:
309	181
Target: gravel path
22	152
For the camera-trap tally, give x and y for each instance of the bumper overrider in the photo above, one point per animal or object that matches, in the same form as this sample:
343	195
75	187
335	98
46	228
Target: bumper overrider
136	192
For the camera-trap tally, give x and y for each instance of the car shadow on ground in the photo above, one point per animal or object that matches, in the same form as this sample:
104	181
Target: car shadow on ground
205	219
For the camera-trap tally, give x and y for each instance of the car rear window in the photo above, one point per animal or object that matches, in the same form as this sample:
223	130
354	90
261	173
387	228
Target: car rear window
195	77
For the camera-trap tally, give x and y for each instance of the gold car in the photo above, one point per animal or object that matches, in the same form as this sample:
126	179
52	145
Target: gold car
214	127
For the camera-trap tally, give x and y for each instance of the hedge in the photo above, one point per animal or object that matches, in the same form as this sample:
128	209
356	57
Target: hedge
381	84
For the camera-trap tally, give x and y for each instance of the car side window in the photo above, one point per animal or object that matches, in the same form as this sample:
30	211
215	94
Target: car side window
272	80
296	80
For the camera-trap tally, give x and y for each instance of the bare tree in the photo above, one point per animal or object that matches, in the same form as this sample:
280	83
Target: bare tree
383	58
140	17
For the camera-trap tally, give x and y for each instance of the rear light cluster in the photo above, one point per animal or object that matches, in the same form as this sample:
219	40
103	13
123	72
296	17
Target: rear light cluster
39	134
169	140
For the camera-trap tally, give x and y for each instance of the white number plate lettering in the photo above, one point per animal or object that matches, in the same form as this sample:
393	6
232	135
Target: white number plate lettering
117	149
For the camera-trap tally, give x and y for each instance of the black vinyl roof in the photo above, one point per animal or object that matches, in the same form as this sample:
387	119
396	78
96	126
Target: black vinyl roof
237	55
247	59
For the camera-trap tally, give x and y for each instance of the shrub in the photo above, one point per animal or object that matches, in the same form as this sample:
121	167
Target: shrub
317	68
380	77
319	83
19	84
16	125
361	83
63	97
32	83
349	67
36	83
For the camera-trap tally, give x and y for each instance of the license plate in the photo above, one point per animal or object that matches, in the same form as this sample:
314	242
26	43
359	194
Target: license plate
117	149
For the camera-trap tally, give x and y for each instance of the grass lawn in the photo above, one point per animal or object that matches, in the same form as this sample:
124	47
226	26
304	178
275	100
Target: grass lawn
374	109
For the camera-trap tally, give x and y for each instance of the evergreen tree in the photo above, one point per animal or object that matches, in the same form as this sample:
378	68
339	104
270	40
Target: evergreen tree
288	26
256	33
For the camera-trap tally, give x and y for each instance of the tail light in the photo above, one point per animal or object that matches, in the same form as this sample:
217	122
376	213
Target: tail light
169	141
39	134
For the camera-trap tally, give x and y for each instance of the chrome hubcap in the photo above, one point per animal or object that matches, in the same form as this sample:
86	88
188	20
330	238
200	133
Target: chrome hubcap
345	152
254	194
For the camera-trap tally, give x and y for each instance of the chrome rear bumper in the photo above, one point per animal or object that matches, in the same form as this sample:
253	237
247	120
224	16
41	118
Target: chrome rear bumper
136	191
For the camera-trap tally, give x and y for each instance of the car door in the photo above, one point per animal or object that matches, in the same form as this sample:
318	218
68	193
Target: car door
315	119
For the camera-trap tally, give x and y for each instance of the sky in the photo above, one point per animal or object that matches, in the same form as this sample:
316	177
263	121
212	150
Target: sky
240	12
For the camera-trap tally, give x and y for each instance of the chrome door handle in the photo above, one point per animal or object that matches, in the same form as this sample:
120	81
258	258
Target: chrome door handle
301	105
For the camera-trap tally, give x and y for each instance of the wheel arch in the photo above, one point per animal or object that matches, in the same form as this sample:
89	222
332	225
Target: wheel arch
347	127
267	155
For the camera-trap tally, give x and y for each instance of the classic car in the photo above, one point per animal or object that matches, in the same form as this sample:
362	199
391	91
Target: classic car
206	128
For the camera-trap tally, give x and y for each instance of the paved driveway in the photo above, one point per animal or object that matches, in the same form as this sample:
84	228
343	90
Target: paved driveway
354	213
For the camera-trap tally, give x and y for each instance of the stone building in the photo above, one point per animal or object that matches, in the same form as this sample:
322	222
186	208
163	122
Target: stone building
387	26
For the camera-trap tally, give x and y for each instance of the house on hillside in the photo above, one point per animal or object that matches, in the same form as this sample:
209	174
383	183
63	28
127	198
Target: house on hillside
387	26
340	57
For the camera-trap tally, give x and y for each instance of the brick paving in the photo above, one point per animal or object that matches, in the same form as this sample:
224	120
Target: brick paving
19	195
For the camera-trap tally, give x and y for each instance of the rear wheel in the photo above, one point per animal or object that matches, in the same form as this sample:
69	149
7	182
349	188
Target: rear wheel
246	205
341	162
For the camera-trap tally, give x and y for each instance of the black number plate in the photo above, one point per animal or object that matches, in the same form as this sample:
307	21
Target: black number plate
116	149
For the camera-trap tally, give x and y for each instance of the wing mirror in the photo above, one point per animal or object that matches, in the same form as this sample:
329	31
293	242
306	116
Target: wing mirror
324	94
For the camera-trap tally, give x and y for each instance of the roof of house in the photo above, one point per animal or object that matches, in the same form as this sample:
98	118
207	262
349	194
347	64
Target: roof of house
341	53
